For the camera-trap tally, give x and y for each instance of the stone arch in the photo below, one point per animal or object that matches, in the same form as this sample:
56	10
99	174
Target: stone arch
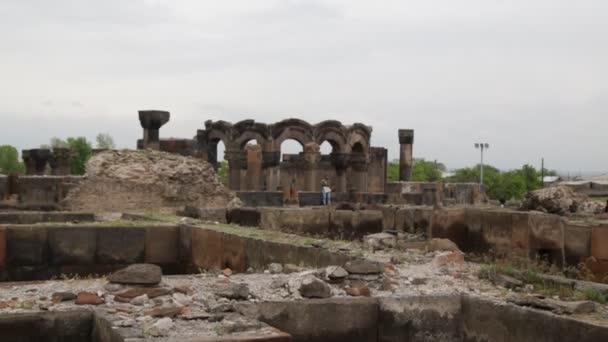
361	134
333	132
298	130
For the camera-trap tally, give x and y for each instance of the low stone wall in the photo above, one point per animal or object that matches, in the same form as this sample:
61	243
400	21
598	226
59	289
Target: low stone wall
40	252
211	249
450	318
347	224
314	198
261	198
38	217
39	192
76	325
431	193
593	189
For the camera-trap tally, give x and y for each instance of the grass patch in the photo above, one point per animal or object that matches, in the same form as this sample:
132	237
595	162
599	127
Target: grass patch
592	295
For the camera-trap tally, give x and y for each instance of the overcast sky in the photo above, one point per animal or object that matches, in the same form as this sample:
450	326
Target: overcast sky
530	77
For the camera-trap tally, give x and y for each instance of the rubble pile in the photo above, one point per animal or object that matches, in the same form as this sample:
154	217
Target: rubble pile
145	180
560	200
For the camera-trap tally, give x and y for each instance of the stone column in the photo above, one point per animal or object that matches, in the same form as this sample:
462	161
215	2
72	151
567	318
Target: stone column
312	156
152	121
61	162
237	161
340	162
254	168
359	167
35	160
406	144
270	166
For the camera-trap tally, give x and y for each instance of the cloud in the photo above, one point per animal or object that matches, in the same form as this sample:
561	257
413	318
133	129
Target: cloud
527	76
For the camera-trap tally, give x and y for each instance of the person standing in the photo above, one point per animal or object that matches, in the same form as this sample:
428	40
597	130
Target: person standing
326	191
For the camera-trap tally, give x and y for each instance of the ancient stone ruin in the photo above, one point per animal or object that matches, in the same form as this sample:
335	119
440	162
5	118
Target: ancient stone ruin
150	246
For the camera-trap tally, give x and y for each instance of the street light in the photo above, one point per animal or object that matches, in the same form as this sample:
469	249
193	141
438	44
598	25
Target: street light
481	146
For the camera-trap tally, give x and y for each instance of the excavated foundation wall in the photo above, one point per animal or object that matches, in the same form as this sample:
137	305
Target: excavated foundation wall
447	318
37	192
38	252
67	326
474	230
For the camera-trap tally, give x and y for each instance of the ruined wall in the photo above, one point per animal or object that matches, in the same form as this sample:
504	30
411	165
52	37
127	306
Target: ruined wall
377	169
40	192
431	193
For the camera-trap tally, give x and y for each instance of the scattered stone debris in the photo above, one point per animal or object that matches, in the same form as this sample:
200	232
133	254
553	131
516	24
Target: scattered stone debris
361	266
554	305
161	327
137	274
147	179
358	290
380	241
560	200
58	297
234	291
335	274
313	287
442	245
88	298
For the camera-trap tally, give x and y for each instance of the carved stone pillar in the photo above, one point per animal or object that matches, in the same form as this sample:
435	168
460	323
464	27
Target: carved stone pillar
254	180
340	162
35	160
359	167
270	166
151	121
61	162
406	145
237	161
312	156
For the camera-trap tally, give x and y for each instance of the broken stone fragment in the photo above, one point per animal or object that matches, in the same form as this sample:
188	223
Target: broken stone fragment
442	245
275	268
227	272
140	300
380	241
88	298
506	281
335	274
151	292
162	327
455	258
137	274
191	314
313	287
360	266
358	290
234	291
554	305
165	311
58	297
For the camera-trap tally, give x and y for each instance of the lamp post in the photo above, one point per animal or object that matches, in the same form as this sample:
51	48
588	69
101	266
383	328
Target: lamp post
481	146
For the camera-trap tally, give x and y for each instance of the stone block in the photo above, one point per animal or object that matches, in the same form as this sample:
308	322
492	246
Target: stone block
497	230
26	246
353	319
450	224
207	249
2	246
162	245
72	245
520	231
599	242
366	222
577	243
124	245
546	231
234	253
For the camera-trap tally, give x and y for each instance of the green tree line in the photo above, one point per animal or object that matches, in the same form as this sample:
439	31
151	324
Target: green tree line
81	148
513	184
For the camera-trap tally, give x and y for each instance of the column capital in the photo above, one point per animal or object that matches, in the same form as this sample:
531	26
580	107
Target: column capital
406	136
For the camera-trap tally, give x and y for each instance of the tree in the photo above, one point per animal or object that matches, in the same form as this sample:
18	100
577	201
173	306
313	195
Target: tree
9	160
105	141
82	152
222	172
392	172
426	171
